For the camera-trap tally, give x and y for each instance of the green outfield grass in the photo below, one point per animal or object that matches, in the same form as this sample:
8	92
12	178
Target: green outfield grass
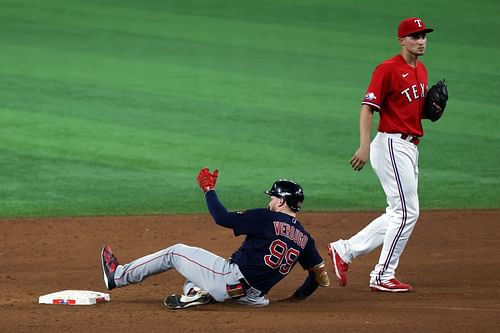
112	107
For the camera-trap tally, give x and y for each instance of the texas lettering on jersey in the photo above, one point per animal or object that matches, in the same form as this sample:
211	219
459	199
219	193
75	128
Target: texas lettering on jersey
412	93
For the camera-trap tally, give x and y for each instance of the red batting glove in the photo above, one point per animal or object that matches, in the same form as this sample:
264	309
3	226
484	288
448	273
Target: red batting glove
215	175
206	180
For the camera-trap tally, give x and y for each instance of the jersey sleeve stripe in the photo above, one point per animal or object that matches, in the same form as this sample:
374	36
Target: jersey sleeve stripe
371	104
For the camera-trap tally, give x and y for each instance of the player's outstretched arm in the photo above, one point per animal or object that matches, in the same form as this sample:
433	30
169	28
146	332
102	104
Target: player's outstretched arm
317	277
307	289
206	181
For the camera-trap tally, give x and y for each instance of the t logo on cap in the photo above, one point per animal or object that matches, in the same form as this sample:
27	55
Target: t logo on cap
411	26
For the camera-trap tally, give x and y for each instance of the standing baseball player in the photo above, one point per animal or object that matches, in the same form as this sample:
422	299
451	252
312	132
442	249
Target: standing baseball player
397	92
275	241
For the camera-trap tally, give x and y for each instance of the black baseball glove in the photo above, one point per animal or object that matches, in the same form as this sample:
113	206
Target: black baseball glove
437	94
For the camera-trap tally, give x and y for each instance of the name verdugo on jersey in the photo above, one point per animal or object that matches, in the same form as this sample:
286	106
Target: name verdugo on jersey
290	232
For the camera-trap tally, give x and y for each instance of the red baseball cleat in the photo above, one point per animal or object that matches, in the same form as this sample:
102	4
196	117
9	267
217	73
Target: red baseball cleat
340	266
109	264
392	285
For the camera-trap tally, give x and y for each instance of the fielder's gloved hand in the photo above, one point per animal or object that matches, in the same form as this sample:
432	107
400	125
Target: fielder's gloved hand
207	180
435	101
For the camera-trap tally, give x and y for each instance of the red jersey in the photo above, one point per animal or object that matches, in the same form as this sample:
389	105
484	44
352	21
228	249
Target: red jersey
397	91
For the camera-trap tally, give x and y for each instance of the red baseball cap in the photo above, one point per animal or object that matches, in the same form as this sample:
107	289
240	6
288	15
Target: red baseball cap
412	25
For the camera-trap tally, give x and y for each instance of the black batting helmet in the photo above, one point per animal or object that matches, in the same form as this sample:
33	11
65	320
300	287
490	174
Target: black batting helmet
290	191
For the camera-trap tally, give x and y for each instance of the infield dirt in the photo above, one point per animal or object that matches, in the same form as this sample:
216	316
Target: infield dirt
452	260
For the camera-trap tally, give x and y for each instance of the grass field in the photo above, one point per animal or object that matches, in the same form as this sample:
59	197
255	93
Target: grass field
111	107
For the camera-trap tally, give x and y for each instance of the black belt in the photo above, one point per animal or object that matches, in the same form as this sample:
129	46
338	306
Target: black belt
410	138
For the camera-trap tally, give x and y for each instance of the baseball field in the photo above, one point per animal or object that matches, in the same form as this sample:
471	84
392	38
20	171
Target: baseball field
109	108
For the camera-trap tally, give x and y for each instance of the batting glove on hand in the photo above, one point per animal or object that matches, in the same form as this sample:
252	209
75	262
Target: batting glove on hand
215	175
207	180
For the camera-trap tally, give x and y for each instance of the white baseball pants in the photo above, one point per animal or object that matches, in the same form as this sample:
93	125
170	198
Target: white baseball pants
395	161
201	268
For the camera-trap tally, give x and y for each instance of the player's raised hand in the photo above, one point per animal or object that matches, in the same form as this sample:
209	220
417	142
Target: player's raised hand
207	180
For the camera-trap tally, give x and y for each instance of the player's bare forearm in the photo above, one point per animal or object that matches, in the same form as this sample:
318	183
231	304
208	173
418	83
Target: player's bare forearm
361	155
